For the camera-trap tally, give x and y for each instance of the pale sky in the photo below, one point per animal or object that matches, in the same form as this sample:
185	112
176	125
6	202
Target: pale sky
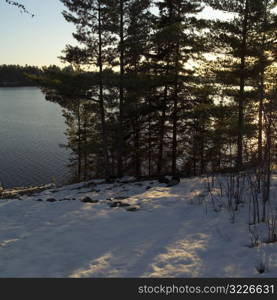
34	41
39	40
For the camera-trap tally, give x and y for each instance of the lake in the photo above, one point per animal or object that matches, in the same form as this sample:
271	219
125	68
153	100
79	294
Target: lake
31	132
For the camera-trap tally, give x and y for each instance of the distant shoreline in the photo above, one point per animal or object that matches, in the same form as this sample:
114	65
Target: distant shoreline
16	84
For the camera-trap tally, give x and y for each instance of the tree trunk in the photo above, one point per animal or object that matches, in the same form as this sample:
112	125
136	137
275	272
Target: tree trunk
162	127
137	148
175	110
85	142
79	141
239	161
101	96
261	86
121	93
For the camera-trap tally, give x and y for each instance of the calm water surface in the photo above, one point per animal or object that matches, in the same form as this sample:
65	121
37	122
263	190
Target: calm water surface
31	132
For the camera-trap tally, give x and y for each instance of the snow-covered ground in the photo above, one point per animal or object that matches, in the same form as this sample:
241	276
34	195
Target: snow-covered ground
166	232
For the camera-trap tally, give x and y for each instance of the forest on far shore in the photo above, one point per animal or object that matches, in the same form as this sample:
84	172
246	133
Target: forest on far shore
15	75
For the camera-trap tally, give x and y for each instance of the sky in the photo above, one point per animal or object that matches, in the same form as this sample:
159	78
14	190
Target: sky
39	40
34	41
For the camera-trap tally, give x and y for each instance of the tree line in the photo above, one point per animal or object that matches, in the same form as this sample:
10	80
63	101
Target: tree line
153	88
15	75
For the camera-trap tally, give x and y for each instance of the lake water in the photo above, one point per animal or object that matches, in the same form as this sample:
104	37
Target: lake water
31	132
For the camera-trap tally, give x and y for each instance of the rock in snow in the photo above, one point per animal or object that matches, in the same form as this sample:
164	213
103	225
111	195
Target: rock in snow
51	200
88	200
132	208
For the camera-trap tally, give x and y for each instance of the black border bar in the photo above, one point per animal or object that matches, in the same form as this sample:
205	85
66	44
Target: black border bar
137	288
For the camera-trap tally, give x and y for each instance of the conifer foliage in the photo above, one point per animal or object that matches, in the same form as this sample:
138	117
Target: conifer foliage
155	89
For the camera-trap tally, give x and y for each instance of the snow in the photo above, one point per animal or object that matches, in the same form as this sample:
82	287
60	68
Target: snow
174	233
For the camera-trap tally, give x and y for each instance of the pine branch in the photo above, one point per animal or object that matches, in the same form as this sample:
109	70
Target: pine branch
20	6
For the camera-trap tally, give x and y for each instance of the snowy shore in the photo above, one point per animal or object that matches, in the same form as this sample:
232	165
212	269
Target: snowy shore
136	229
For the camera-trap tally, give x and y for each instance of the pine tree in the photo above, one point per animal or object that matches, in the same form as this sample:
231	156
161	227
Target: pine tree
89	19
127	21
176	44
68	88
262	41
233	38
